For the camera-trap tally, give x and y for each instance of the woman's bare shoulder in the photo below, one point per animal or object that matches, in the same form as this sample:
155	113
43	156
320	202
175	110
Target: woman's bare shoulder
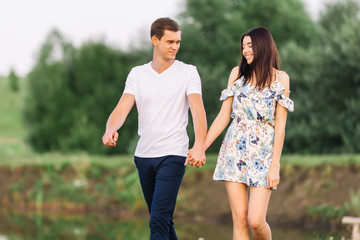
233	75
284	79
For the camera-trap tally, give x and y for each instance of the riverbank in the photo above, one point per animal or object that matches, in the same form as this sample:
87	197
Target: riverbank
313	194
311	197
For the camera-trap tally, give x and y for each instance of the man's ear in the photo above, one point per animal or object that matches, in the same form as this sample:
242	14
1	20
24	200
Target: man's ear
154	40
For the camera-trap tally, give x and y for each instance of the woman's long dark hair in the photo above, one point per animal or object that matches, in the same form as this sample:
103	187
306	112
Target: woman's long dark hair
266	57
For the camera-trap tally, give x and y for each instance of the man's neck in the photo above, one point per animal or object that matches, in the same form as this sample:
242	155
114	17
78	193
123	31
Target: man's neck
160	66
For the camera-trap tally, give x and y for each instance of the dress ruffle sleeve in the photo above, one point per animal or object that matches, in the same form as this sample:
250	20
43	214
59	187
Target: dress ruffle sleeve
229	92
280	97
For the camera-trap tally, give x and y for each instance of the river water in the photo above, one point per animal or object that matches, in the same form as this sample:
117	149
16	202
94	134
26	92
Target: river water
31	226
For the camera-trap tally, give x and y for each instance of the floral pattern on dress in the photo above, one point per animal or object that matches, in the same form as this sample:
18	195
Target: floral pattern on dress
246	151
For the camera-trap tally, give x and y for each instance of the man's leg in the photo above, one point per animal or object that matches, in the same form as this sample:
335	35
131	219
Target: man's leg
170	171
147	178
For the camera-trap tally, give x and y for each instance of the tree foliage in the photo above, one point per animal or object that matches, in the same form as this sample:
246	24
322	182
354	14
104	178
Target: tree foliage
71	91
338	78
212	30
325	84
13	81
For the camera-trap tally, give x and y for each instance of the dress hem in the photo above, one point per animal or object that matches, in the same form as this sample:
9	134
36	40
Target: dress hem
228	180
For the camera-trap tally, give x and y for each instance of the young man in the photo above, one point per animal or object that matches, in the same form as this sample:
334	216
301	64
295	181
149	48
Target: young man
163	91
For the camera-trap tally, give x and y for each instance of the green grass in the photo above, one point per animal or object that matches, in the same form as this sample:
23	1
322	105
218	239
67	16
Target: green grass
315	160
61	159
11	127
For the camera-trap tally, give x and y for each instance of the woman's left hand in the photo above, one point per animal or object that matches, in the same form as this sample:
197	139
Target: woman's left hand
191	160
273	177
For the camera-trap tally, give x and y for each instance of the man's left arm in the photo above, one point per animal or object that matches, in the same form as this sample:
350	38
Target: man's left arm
200	128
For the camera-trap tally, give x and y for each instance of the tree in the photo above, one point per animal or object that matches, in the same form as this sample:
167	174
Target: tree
325	81
13	81
71	92
99	73
211	33
303	130
338	85
69	89
48	100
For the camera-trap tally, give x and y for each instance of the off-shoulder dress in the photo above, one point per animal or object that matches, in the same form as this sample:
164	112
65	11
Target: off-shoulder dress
246	151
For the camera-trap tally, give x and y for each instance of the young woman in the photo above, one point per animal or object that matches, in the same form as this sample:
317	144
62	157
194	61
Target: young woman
257	100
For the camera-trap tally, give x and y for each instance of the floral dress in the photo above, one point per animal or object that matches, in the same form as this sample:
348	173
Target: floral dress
246	151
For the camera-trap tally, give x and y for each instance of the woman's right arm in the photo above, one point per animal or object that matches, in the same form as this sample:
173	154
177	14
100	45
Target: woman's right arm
223	117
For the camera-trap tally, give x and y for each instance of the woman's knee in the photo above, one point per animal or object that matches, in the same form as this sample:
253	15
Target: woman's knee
256	223
240	219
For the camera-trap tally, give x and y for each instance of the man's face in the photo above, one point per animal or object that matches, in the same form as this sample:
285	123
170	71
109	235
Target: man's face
168	45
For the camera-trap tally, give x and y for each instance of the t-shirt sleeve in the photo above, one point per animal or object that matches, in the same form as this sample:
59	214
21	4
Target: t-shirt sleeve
194	84
129	85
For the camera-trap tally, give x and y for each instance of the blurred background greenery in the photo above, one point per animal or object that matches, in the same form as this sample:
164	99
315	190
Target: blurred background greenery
70	91
54	117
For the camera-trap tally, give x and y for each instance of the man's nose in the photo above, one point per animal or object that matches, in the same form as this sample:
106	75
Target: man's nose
175	46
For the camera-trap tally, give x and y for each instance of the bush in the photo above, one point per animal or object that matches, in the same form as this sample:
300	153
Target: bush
70	94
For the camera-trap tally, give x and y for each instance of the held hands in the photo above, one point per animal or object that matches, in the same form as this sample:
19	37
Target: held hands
110	137
273	177
195	158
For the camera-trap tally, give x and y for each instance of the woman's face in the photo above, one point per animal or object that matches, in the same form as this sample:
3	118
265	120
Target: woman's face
247	49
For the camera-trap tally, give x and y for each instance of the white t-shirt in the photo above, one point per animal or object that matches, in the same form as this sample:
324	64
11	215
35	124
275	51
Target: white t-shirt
161	101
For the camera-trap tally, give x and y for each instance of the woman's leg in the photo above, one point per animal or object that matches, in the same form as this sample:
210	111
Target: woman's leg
258	204
237	194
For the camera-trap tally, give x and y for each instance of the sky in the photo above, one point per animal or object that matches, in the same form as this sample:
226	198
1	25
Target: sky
25	24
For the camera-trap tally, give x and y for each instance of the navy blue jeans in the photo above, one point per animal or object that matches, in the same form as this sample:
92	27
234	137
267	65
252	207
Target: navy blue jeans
160	180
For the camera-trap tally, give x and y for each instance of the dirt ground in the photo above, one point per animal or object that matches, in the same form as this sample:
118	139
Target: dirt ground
202	199
299	189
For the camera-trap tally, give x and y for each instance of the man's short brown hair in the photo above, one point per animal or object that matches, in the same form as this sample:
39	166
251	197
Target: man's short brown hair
161	24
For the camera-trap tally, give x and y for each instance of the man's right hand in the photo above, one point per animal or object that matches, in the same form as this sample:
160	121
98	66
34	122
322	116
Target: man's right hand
193	162
110	137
